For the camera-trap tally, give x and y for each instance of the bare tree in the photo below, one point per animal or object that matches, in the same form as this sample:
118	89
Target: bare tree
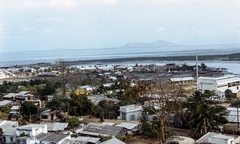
161	99
63	68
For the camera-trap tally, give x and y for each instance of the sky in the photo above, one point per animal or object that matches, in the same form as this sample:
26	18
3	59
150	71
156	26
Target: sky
83	24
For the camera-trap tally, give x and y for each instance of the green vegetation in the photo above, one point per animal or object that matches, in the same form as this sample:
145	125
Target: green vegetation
28	110
79	105
73	122
204	116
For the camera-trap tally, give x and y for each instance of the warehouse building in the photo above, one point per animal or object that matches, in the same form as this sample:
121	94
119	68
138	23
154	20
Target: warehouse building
219	84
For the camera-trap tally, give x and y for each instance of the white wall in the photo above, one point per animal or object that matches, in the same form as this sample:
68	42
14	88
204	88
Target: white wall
33	131
207	84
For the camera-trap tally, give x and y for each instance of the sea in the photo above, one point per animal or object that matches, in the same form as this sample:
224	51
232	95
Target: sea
8	59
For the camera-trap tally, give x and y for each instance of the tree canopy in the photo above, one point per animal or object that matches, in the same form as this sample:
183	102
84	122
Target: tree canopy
73	122
80	105
28	109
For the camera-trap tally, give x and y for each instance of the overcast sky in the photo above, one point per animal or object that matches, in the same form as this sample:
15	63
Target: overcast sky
78	24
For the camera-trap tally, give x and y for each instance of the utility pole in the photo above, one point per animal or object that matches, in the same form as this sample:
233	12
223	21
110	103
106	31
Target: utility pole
197	66
237	119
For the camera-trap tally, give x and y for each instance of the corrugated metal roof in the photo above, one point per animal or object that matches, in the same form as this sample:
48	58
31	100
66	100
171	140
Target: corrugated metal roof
51	137
113	141
228	80
86	139
128	126
181	79
59	126
111	130
10	95
5	102
22	93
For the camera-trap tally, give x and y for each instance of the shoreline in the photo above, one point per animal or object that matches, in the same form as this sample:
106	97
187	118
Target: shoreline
136	60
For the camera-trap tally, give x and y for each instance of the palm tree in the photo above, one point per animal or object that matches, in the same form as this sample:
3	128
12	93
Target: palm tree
206	117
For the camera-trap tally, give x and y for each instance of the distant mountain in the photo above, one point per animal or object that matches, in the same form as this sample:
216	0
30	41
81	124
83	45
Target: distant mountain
160	43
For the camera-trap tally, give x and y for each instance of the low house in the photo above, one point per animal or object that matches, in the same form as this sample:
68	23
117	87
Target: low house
124	68
130	127
5	103
182	80
14	112
113	141
105	68
112	78
108	84
47	98
102	130
87	140
84	90
47	74
9	96
24	96
179	140
48	115
26	140
52	138
55	126
131	112
9	131
31	130
97	98
218	138
87	68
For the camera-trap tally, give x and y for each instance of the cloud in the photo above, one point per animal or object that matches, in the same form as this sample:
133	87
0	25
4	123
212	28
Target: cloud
1	29
26	28
234	3
52	19
20	37
160	29
32	4
48	30
42	4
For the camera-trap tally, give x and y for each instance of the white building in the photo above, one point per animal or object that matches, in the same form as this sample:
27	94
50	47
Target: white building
218	138
219	83
182	80
179	140
3	75
31	130
233	114
87	88
131	112
9	131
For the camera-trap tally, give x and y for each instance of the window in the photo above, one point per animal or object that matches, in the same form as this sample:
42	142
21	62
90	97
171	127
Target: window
123	116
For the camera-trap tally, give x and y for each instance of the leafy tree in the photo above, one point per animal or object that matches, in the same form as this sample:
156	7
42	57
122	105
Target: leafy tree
59	103
73	122
203	66
48	89
106	106
235	103
148	129
80	105
1	131
28	109
98	111
228	94
205	118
